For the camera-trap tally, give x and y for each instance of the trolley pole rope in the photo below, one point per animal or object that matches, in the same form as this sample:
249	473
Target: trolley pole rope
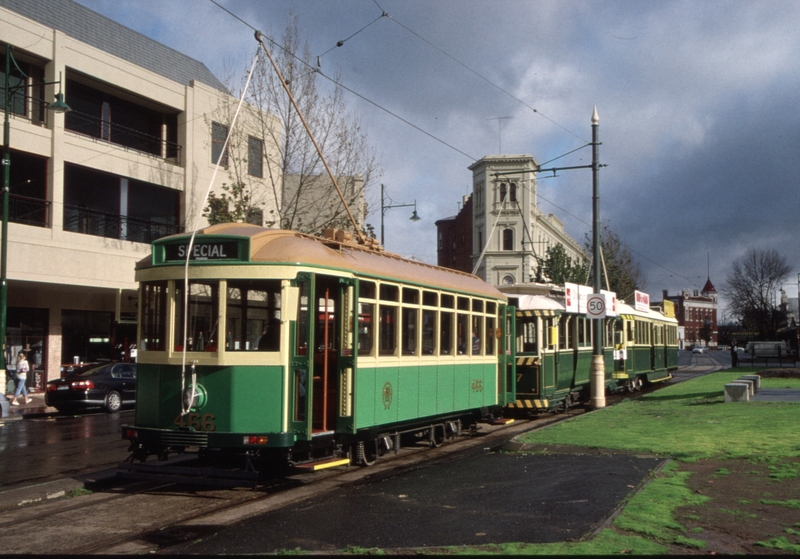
186	406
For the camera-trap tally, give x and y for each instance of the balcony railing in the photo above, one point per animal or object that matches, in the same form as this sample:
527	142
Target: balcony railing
28	211
114	226
120	135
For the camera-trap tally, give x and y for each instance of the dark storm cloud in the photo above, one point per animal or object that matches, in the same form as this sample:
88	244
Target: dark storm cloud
698	105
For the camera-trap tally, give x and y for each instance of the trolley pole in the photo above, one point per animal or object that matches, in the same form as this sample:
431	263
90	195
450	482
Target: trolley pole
598	398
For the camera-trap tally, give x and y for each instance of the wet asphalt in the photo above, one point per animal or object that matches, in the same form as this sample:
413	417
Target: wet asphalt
480	496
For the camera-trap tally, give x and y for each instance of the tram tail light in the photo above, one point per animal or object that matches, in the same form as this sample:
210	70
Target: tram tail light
255	439
129	434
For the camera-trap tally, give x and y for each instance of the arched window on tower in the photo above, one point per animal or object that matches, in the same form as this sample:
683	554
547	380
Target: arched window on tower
508	239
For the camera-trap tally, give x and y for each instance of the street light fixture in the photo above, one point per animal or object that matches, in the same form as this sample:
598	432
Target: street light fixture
384	207
59	106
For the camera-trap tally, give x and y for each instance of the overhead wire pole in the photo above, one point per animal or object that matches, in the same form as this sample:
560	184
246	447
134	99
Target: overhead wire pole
597	376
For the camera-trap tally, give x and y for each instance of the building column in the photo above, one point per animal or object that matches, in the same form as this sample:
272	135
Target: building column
53	365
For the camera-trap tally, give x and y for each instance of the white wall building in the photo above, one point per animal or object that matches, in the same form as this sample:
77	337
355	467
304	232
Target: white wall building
92	188
508	222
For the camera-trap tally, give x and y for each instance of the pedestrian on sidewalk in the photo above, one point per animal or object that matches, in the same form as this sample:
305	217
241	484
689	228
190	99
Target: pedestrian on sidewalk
22	376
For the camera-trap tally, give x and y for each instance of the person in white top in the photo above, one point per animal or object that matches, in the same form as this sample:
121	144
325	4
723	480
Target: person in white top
22	376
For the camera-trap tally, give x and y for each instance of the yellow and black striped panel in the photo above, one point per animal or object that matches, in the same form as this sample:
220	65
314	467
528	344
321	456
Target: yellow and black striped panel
530	404
538	312
523	361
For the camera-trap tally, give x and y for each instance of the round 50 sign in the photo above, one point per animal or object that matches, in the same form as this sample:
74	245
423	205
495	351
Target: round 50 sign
596	306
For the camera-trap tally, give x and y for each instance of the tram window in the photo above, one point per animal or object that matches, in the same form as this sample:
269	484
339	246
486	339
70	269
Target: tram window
389	292
388	330
462	333
203	316
428	332
154	316
564	332
630	332
463	304
253	315
549	332
446	333
448	301
491	308
326	312
300	394
490	335
302	320
366	329
477	305
367	289
430	299
526	335
581	331
477	334
410	296
409	337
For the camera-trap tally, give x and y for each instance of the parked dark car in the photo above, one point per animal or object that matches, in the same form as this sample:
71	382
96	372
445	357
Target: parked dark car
108	386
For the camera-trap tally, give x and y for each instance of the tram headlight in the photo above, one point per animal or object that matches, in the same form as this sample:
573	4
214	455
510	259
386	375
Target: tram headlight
198	401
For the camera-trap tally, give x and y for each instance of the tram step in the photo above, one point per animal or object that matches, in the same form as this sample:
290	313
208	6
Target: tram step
187	475
501	421
323	464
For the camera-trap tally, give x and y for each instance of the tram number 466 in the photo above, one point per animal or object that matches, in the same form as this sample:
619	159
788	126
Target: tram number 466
477	385
196	421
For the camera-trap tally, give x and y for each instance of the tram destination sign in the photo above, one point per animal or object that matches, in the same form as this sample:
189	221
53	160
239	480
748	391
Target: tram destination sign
204	250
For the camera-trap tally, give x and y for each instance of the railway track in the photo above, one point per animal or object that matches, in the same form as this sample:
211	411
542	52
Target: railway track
144	517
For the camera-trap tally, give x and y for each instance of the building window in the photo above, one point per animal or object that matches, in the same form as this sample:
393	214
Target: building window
441	240
503	192
255	157
513	192
508	239
508	280
218	135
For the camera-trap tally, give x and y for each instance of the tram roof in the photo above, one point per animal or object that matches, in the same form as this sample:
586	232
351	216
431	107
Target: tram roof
627	310
290	247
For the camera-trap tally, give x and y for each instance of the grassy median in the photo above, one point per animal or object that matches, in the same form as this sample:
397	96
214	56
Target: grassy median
734	471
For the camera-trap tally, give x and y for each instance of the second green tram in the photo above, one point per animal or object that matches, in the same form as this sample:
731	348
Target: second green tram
554	350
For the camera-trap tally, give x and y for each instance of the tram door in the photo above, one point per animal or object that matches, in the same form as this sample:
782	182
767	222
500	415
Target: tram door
322	357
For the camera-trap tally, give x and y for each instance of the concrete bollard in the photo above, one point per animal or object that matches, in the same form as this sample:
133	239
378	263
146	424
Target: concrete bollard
756	381
737	392
751	386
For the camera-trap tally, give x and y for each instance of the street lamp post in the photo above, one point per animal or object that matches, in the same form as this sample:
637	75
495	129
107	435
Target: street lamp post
384	207
58	106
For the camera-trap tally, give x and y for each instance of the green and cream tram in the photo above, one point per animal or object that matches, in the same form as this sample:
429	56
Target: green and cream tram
309	350
554	349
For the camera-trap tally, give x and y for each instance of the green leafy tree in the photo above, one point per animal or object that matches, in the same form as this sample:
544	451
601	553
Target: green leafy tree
559	267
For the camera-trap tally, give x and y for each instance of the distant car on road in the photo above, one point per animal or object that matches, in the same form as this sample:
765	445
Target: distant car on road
108	386
699	349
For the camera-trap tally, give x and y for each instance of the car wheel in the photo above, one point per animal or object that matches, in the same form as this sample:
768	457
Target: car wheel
113	401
